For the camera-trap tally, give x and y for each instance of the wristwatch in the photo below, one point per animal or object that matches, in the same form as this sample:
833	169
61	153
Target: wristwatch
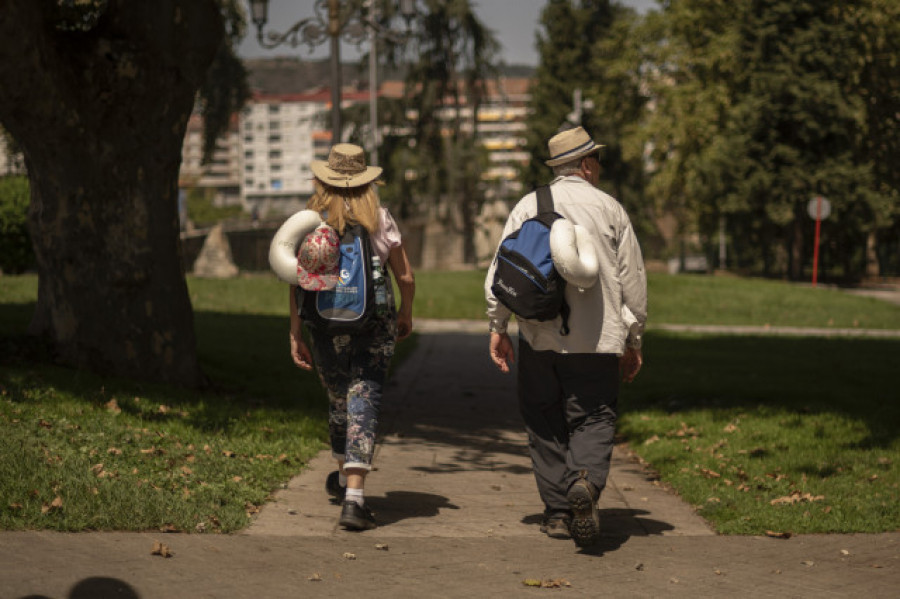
634	342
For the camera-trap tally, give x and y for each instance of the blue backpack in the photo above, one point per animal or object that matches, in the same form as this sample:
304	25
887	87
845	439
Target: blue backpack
525	279
349	306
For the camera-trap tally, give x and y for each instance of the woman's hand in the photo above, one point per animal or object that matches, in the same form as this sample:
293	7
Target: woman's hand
300	352
404	325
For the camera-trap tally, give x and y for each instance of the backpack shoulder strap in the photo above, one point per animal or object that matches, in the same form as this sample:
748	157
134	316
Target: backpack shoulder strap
544	199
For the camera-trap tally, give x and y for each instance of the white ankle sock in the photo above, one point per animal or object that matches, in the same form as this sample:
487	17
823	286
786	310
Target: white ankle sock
356	495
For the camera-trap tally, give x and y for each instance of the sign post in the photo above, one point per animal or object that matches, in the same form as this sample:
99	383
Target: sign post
818	208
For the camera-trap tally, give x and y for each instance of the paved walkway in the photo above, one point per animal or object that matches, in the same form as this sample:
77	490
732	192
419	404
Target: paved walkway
459	517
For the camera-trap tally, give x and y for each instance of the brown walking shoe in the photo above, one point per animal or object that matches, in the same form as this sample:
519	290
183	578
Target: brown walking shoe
585	525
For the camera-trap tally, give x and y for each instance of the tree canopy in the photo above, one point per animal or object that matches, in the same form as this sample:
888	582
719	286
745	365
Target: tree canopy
760	105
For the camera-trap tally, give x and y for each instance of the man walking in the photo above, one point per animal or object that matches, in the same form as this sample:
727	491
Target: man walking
568	383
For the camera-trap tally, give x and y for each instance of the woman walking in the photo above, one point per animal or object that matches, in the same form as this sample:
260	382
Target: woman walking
352	368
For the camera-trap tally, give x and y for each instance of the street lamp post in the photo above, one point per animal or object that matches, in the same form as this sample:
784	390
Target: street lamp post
333	20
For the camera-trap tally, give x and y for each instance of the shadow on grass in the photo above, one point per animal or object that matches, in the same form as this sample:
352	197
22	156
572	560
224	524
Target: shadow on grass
246	358
475	408
852	377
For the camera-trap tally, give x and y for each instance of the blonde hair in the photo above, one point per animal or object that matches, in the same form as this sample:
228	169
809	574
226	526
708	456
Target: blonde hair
347	206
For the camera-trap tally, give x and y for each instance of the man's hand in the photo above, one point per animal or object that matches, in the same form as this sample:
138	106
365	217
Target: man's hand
300	353
502	351
630	363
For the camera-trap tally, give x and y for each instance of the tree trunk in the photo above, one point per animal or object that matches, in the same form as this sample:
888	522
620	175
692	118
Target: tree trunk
100	115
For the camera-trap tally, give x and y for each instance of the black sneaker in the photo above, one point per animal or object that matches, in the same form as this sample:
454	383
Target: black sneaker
333	486
557	526
356	517
585	525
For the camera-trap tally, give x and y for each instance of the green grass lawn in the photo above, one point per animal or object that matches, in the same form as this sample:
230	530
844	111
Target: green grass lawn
768	433
760	433
689	299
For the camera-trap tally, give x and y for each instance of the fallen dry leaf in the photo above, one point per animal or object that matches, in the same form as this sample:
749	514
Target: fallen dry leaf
547	583
796	497
113	406
844	552
808	563
381	546
350	556
161	550
315	577
778	535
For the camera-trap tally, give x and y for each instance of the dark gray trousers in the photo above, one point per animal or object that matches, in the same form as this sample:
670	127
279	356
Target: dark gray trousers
568	402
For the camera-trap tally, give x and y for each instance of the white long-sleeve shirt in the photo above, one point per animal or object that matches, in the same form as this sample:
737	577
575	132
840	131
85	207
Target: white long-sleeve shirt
597	321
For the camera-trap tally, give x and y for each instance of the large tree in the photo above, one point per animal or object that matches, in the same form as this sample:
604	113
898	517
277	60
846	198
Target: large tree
97	93
761	105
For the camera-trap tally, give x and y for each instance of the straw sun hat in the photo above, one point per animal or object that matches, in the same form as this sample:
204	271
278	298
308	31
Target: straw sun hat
345	167
569	145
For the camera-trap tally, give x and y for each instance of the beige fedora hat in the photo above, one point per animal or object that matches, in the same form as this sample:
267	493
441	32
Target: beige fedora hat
345	167
569	145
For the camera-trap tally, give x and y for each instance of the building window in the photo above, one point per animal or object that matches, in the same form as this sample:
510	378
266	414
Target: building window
274	108
274	154
248	155
275	139
276	184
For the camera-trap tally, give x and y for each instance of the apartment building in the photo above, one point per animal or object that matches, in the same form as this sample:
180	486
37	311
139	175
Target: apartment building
263	161
501	130
222	174
280	135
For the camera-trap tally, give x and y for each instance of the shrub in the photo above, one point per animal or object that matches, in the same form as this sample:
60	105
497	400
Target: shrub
16	252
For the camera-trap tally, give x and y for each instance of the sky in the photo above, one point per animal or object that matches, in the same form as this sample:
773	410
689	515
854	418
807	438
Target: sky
513	21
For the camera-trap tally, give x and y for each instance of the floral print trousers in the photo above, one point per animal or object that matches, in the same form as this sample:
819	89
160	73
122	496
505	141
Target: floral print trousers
353	370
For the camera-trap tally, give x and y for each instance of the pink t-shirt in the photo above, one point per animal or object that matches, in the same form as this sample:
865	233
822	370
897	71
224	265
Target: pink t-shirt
387	237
